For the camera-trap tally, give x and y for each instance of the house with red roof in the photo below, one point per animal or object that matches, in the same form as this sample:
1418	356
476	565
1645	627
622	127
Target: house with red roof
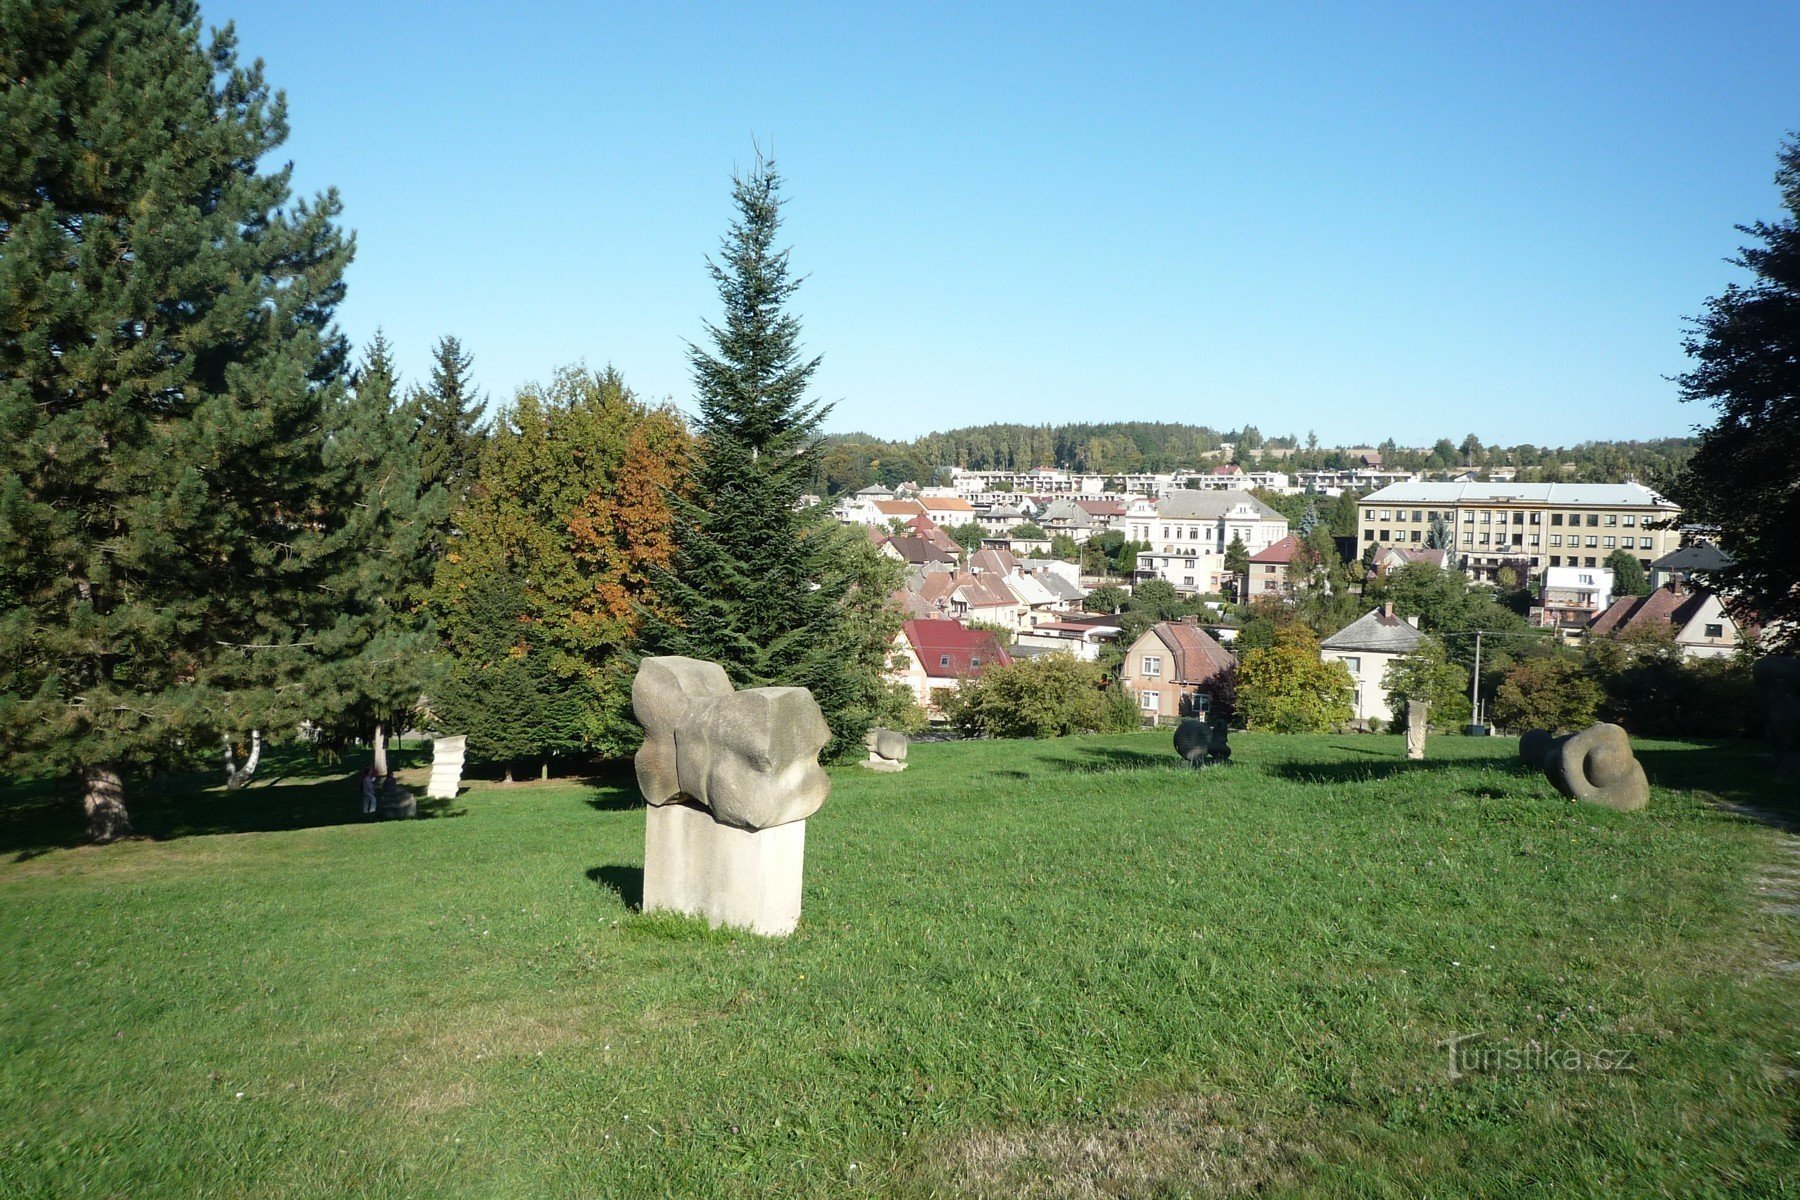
934	656
1172	665
1268	572
1697	619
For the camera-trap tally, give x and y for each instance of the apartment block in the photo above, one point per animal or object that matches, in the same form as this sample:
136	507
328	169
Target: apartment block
1541	524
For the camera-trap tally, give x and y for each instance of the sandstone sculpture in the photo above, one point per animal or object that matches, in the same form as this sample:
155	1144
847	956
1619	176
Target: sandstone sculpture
1778	683
1595	765
447	754
730	778
887	750
1415	729
1202	743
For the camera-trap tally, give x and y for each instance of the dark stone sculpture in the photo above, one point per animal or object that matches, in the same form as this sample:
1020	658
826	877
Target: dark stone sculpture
1202	743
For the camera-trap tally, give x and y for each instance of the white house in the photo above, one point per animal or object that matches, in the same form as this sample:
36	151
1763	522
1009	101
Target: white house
1189	532
1366	647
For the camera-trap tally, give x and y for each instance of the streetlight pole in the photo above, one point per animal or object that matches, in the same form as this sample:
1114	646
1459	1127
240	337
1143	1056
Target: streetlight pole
1475	684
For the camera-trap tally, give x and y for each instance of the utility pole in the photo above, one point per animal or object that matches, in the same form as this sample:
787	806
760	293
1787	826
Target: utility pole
1475	684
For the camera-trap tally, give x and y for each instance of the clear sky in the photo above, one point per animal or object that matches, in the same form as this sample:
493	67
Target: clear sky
1369	221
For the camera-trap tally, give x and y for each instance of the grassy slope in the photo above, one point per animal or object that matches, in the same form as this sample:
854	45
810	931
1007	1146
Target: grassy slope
1018	960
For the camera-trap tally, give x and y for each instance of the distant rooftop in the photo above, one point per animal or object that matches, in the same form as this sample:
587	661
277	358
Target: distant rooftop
1617	495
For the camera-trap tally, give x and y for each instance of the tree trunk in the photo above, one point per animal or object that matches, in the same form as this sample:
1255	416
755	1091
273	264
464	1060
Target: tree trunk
235	776
381	767
103	800
1415	729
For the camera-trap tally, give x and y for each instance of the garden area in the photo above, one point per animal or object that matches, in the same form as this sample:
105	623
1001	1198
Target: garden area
1048	968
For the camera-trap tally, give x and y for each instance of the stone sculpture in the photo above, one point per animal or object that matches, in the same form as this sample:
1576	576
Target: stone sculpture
1778	683
1415	729
1202	743
447	754
1595	765
398	803
887	750
730	778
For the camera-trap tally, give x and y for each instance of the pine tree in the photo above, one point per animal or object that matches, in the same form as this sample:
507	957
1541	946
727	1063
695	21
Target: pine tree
761	586
166	368
449	415
378	655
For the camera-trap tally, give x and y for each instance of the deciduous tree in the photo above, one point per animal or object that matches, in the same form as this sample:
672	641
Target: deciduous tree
1286	688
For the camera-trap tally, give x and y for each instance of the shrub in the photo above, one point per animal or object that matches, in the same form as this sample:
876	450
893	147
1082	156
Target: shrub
1551	692
1285	687
1048	696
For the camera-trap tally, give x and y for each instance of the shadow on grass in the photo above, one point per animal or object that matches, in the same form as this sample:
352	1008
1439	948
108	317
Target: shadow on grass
627	882
1357	772
1115	758
1738	772
41	816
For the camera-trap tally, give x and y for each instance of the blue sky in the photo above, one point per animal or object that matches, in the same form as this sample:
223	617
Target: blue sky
1368	221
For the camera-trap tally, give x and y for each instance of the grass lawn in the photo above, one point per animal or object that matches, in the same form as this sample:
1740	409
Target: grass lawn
1068	968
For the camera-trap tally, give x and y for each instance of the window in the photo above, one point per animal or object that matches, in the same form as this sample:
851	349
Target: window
1608	541
1486	538
1630	520
1592	541
1150	701
1629	543
1188	580
1368	514
1468	517
943	660
1432	514
1368	535
1415	535
1534	539
1387	535
1593	519
1387	514
1468	539
1574	518
1590	561
1415	514
1556	518
974	661
1353	665
1556	560
1152	666
1518	518
1556	539
1612	519
1715	631
1486	517
1535	518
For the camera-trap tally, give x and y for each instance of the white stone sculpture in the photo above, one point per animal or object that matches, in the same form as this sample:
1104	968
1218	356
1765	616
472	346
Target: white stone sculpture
887	749
447	754
730	778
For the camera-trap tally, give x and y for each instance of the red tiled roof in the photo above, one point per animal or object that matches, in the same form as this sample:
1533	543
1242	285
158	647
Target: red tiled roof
1664	605
1281	552
1228	469
1101	508
936	640
1197	657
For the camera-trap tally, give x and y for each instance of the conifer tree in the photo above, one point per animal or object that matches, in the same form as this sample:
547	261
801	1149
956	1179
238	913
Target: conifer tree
167	362
760	585
449	415
378	654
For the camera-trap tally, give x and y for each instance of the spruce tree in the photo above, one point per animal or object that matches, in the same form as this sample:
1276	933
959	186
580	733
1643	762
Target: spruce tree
378	654
167	361
449	415
760	585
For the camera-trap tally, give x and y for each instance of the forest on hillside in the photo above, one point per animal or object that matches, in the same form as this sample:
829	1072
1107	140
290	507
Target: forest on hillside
848	461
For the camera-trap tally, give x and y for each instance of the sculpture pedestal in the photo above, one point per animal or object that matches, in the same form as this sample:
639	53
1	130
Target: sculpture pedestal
704	868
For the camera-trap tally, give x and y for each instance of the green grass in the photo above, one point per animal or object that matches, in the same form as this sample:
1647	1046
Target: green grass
1056	968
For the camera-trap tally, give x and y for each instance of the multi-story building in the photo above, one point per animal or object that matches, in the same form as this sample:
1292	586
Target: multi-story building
1536	524
1189	531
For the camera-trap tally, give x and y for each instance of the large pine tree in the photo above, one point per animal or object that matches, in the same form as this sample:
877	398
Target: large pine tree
776	593
167	363
449	415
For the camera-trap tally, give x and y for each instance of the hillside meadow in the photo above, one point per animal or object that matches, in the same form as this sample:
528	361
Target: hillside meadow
1067	968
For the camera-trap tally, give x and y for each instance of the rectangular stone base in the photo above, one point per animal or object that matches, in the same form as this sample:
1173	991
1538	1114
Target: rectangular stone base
698	866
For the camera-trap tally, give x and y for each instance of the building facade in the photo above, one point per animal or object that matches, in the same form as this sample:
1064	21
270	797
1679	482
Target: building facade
1536	524
1189	531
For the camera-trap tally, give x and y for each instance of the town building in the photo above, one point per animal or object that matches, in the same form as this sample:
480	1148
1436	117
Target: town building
1269	572
1690	564
1189	531
1366	647
1175	670
935	656
1697	619
1536	525
1571	597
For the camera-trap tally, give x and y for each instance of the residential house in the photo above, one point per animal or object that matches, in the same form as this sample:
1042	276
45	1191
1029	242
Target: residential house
1366	647
1175	669
919	553
1268	572
1538	524
922	526
935	656
1572	597
1080	634
1188	532
946	511
1392	558
1697	618
972	597
1690	564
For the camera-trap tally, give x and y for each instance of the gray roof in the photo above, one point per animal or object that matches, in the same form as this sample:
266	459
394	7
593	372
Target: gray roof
1702	557
1376	634
1612	495
1186	504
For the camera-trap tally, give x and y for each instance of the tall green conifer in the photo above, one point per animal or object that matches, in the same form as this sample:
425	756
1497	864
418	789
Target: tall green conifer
449	415
167	364
776	593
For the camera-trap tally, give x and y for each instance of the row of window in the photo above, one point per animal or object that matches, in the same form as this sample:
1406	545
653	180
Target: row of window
1628	542
1499	517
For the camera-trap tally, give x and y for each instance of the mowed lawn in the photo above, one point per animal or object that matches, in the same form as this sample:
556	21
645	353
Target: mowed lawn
1066	968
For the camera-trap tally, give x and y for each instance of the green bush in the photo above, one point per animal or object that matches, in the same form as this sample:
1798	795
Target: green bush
1050	696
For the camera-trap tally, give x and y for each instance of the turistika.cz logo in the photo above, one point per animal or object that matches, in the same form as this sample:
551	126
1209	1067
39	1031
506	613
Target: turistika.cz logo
1469	1055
